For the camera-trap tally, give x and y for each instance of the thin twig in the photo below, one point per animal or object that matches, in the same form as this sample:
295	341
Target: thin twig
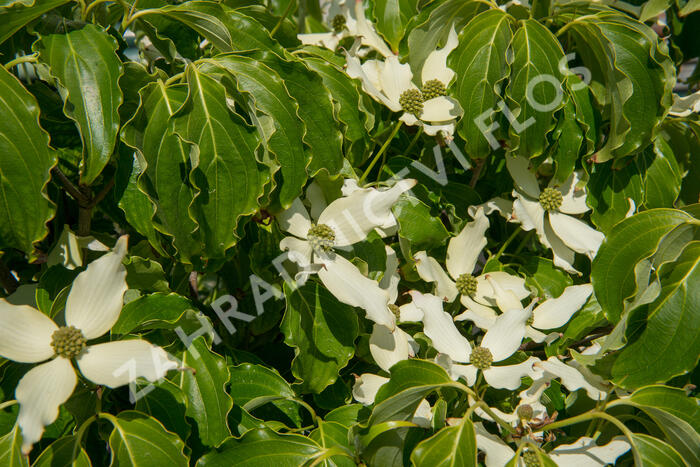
70	187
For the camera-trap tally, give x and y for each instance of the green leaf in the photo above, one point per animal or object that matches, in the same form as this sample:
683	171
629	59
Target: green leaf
654	452
145	275
418	225
653	8
453	445
11	450
667	343
262	447
165	178
64	451
276	117
630	241
165	402
392	18
227	174
632	68
24	167
205	388
549	280
568	137
322	331
14	18
690	7
672	400
329	435
155	311
663	177
141	441
480	63
86	65
534	90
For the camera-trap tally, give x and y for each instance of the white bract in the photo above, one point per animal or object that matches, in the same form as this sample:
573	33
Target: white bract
499	343
343	222
345	21
391	83
92	308
462	255
550	314
549	212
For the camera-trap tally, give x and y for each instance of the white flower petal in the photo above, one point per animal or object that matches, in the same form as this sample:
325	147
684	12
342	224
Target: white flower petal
563	256
40	392
500	205
410	313
366	387
576	234
25	333
440	109
423	414
96	298
482	316
409	119
396	78
366	31
556	312
538	336
514	286
370	84
430	271
573	199
391	278
435	65
506	334
571	378
388	347
67	251
525	180
355	216
498	453
440	328
509	377
530	214
295	219
328	40
349	286
432	130
300	251
504	298
464	249
586	453
117	363
456	370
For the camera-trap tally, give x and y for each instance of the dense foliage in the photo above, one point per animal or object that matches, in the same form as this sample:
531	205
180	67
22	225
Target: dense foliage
382	233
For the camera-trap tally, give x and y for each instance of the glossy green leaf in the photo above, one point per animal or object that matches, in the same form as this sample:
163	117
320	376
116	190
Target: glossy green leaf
534	90
14	18
333	435
629	242
249	381
262	447
86	65
11	449
672	400
418	225
663	177
392	18
451	446
668	343
322	331
155	311
226	172
24	167
141	441
654	452
481	65
569	137
165	402
63	451
167	158
205	388
277	119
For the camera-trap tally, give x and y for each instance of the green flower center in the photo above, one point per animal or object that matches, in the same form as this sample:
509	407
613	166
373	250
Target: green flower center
411	101
466	284
395	309
550	199
530	459
68	341
338	23
321	237
525	412
530	320
433	88
481	358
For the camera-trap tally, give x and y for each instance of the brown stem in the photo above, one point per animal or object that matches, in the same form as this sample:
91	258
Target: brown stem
70	187
8	281
476	173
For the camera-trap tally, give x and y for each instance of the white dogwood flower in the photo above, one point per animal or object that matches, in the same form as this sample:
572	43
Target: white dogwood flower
499	343
463	251
92	308
584	452
550	314
346	21
391	83
548	212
